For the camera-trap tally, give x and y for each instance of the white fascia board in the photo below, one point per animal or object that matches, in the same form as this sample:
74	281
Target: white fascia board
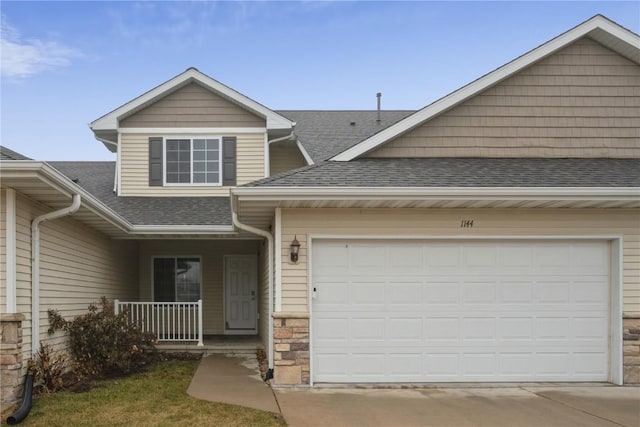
458	193
494	77
110	120
183	229
305	154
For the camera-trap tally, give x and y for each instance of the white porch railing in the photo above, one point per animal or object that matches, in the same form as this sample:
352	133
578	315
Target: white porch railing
168	321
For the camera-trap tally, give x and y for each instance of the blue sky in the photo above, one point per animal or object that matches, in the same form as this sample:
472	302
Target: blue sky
64	64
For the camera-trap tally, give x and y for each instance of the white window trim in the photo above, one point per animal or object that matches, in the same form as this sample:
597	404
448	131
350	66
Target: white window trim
191	184
175	257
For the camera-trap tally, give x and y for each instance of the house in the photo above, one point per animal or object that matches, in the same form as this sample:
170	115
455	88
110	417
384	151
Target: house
492	236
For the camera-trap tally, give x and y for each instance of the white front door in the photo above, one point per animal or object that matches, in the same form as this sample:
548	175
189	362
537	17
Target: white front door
240	294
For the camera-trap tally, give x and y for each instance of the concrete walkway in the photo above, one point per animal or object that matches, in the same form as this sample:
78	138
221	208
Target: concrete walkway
232	379
236	380
582	406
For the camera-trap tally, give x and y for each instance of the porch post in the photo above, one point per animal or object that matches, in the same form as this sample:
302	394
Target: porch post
200	341
116	306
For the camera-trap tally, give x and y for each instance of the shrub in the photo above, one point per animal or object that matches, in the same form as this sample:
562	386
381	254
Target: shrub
105	343
48	368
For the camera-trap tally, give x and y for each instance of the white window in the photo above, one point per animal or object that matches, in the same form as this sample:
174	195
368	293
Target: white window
193	161
176	279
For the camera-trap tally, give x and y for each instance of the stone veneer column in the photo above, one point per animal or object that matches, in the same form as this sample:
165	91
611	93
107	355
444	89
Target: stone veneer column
291	348
11	366
631	337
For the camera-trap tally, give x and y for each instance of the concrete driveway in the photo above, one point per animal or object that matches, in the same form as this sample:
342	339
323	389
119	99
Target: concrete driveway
503	406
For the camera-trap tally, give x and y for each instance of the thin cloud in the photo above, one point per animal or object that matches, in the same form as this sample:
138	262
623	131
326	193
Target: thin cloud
23	58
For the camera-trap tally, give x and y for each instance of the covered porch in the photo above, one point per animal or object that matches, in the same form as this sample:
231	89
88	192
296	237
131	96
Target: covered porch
204	295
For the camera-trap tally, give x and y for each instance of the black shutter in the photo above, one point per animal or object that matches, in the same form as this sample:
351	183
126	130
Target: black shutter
155	161
229	160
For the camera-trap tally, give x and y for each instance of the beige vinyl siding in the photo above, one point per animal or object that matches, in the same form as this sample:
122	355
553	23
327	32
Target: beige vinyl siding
211	253
192	106
285	156
486	222
263	294
583	101
135	167
77	267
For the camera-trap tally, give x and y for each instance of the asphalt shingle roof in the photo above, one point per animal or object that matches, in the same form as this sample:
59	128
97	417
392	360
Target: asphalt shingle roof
97	179
8	154
462	172
327	133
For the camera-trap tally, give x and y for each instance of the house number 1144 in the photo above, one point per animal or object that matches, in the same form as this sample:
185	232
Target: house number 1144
466	223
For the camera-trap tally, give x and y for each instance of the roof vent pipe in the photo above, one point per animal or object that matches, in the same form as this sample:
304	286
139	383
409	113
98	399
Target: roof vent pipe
378	95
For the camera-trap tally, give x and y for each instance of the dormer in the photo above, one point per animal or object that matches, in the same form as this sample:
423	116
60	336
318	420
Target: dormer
190	136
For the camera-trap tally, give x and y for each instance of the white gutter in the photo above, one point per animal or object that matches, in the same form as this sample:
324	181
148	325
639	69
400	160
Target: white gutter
362	193
35	266
269	237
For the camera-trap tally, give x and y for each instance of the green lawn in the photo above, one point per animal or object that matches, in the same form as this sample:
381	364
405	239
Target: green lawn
154	398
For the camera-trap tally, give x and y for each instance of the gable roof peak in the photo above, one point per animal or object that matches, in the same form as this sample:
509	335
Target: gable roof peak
106	127
599	28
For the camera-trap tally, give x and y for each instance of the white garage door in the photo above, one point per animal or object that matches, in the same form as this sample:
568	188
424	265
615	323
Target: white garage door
430	311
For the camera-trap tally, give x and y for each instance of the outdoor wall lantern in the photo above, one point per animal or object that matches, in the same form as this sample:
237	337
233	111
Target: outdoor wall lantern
295	249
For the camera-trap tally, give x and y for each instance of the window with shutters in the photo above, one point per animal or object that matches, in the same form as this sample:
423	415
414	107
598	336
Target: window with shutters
193	161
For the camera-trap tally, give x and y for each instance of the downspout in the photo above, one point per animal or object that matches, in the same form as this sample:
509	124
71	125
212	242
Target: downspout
269	237
35	266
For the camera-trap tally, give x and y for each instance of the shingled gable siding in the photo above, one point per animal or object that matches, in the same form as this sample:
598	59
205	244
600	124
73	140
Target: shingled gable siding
193	106
583	101
77	267
135	167
285	156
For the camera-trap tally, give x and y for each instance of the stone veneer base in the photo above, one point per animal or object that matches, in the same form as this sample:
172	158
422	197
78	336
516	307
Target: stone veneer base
291	348
11	364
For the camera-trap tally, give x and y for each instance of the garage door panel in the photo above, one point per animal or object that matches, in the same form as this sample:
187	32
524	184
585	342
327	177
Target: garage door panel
405	329
477	366
515	329
479	329
514	291
589	328
474	292
364	330
461	311
516	365
445	329
363	293
405	293
589	292
440	293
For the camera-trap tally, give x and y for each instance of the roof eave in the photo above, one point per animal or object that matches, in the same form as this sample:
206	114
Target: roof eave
441	193
42	171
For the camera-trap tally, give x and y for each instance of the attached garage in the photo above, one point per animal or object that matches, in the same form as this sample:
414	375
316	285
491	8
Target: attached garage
460	310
